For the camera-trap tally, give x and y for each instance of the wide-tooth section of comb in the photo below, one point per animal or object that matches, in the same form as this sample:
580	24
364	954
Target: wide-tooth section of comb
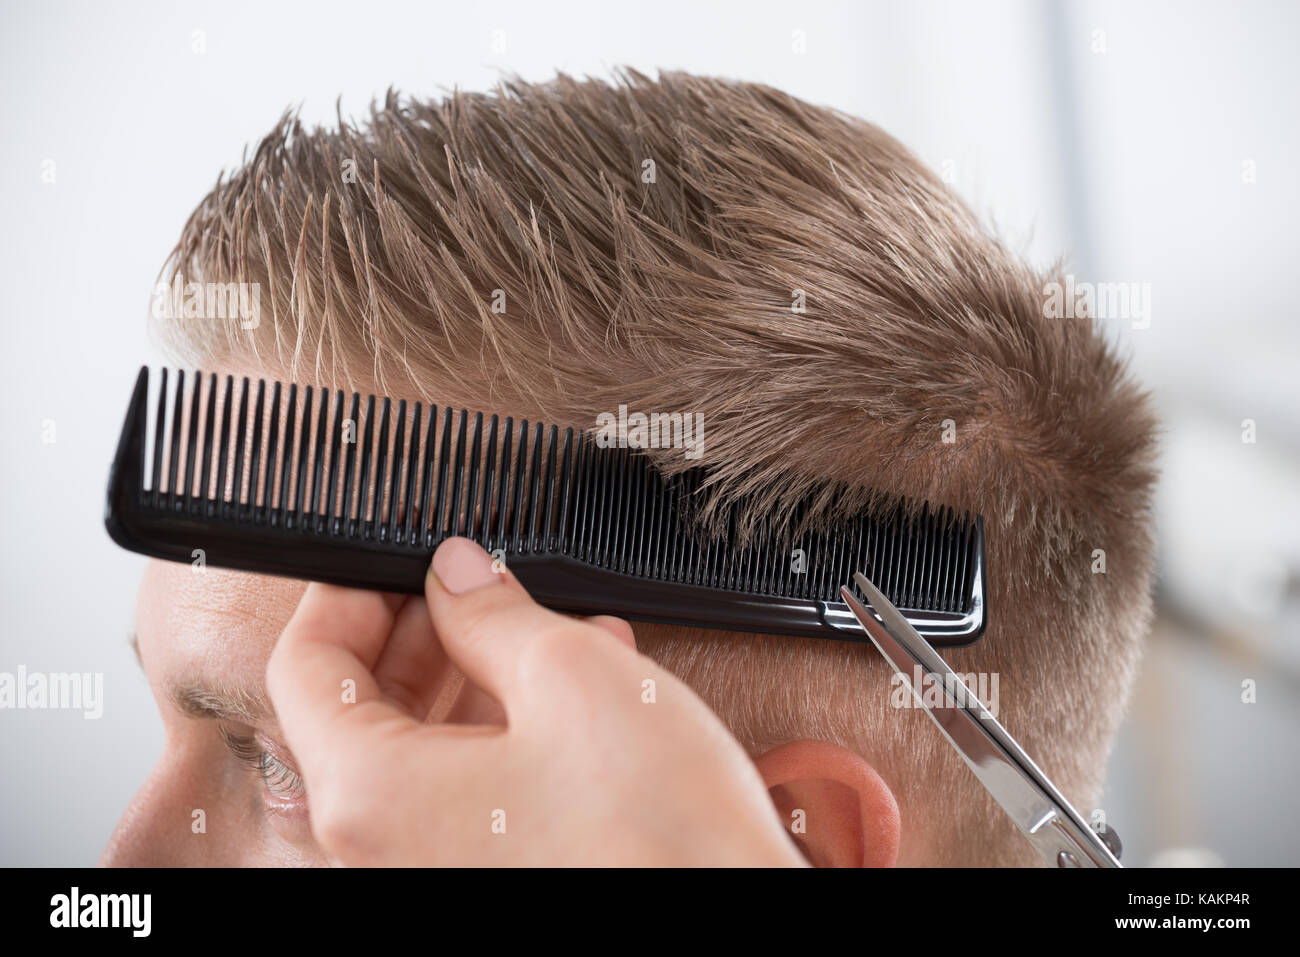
322	484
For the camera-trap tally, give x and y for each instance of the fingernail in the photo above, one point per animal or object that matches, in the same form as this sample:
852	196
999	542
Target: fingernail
462	566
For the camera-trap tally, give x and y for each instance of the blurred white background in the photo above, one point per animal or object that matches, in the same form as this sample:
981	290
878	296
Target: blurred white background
1152	143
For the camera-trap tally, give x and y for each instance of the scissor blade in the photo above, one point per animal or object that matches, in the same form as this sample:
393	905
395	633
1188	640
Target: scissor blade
1002	766
893	629
899	657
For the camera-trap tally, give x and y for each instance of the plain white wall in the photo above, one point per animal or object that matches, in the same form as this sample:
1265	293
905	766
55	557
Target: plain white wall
1125	159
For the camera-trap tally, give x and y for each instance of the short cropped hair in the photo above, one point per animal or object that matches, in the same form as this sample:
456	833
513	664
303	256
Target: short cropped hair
847	327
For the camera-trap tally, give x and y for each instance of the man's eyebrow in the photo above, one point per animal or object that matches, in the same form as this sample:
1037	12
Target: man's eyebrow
198	701
233	704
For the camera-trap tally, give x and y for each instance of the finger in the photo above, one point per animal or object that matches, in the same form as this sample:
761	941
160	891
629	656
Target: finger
413	667
483	618
617	627
319	676
415	671
466	703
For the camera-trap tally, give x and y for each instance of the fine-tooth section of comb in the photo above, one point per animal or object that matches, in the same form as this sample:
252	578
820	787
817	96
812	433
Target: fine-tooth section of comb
320	485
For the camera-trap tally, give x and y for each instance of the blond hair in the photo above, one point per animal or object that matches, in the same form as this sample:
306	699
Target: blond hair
647	239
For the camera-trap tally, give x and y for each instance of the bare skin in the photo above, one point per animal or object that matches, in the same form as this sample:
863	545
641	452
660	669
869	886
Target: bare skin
314	725
424	766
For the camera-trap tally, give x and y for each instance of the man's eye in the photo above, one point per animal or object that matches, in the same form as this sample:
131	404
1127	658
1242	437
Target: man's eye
282	782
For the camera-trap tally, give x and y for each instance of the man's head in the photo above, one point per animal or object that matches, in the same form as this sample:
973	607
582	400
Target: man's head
842	322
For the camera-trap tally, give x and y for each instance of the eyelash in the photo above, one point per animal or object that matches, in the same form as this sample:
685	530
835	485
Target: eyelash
281	781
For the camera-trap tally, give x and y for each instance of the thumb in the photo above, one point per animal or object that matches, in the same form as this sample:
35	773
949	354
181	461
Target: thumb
484	617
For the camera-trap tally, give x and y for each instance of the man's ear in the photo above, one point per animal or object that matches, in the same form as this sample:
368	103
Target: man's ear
839	811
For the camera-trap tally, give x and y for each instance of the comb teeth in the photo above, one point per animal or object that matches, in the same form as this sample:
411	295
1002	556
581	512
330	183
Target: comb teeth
399	478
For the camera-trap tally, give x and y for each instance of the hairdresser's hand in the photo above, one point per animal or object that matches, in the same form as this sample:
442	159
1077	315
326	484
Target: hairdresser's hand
591	763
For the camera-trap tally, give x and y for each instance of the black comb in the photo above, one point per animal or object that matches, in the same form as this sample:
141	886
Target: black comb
313	484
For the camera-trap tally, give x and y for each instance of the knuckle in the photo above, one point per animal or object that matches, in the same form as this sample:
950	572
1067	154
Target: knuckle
475	616
277	665
344	824
556	649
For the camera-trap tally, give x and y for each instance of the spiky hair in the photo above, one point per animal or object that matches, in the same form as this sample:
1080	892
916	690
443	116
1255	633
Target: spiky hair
843	322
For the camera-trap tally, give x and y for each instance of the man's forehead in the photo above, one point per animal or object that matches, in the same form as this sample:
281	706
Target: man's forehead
213	620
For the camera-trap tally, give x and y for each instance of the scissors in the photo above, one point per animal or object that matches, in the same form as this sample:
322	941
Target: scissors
1043	815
